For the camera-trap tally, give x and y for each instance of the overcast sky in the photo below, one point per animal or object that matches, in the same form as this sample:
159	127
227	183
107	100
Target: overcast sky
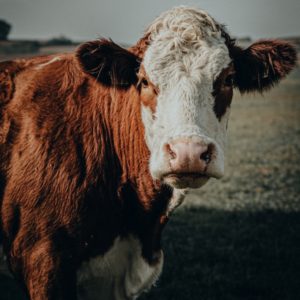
125	20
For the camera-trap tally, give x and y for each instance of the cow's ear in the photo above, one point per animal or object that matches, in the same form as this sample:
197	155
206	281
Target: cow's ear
108	63
263	64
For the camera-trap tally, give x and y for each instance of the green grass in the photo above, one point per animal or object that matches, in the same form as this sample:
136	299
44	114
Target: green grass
215	254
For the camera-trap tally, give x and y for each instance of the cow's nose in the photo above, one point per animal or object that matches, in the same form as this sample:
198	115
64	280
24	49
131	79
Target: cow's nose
188	156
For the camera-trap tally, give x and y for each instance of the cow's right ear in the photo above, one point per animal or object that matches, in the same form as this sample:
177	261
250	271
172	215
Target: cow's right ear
262	64
109	63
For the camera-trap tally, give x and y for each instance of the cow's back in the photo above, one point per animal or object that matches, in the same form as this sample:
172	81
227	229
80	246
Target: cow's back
18	79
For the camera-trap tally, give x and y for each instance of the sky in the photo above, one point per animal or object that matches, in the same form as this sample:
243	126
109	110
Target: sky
125	20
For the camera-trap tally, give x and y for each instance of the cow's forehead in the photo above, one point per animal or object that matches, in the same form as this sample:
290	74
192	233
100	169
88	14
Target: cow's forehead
185	42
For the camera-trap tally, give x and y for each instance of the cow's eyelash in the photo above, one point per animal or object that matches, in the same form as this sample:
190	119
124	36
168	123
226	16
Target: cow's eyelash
144	82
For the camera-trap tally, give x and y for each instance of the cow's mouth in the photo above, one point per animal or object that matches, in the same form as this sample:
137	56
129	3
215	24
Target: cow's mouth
185	180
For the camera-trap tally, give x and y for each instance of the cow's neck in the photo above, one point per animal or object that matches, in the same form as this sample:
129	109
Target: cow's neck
145	201
129	143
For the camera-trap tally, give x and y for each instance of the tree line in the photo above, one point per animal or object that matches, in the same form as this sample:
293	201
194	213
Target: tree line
4	30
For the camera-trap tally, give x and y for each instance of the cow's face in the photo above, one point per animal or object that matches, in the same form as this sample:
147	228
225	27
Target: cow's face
185	78
186	121
191	73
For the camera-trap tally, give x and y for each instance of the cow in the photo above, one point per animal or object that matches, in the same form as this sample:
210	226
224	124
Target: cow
98	147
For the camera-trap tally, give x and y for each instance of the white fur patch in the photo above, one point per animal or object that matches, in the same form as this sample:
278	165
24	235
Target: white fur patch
122	273
177	199
185	56
54	59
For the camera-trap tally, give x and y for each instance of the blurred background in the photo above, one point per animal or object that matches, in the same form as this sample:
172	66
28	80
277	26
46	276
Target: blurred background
236	238
41	25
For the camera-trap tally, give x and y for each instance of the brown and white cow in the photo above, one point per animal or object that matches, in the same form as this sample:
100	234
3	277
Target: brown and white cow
97	147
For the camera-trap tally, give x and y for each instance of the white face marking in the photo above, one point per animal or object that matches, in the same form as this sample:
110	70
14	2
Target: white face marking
185	56
122	273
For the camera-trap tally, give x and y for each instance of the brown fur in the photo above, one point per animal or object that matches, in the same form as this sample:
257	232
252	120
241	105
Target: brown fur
223	91
147	90
77	176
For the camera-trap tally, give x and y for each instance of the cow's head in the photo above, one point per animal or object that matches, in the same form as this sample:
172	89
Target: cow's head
185	70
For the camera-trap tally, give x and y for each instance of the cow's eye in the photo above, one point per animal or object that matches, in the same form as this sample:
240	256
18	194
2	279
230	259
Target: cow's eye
229	80
144	83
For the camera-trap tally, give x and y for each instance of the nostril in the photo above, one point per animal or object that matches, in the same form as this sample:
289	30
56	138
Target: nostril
169	150
206	156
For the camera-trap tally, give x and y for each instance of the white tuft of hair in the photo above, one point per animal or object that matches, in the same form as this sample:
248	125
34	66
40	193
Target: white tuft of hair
186	23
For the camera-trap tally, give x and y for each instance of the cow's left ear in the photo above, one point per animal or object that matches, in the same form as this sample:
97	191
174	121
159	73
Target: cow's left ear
262	64
108	63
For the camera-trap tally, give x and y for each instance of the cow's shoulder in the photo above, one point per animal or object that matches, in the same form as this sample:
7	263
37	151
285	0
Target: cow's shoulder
29	90
11	70
41	83
53	73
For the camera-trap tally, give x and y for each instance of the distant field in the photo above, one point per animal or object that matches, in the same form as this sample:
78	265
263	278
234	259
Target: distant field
43	51
239	238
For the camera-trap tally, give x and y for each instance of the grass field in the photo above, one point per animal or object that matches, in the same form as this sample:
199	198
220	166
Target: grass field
239	238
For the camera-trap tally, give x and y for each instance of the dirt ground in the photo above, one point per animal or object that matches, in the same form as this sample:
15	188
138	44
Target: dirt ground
239	238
